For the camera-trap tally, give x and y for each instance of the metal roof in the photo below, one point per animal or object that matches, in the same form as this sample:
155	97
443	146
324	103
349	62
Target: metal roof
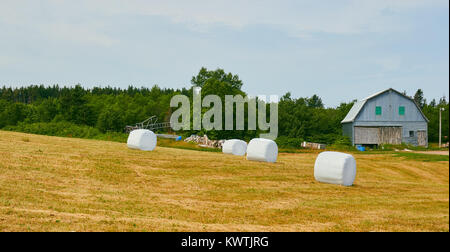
354	111
357	107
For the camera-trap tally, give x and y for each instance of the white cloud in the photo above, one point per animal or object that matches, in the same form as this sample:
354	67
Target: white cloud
391	63
54	20
73	20
79	34
340	17
7	60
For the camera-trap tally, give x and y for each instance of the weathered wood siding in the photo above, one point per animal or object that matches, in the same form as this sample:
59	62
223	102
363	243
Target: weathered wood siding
406	128
347	129
390	135
378	135
422	138
366	135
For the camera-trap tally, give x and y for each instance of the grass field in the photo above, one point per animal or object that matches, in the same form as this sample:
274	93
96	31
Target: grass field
68	184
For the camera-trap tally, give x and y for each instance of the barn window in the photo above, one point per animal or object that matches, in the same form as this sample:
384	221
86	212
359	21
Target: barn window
378	110
411	133
401	110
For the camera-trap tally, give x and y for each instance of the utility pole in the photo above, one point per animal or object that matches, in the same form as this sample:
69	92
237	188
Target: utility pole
440	126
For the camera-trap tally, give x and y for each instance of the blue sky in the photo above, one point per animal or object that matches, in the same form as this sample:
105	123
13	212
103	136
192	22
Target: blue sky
340	50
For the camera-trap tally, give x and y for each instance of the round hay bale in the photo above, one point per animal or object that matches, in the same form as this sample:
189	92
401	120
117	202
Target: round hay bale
142	139
260	149
335	168
235	147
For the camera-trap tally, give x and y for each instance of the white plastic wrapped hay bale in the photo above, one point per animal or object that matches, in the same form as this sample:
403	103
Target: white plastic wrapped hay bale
335	168
142	139
260	149
235	147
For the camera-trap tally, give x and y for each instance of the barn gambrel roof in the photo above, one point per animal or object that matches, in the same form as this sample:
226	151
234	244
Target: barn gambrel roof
357	107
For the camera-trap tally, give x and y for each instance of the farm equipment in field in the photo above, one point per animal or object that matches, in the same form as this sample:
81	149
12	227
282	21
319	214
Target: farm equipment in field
150	123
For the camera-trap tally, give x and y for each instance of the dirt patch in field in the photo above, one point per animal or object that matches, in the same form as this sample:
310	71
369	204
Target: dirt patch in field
432	152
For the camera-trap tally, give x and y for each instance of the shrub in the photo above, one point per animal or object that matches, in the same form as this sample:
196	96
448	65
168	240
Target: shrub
64	129
343	140
286	142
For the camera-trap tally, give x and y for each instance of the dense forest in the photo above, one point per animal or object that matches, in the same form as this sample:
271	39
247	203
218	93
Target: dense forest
105	111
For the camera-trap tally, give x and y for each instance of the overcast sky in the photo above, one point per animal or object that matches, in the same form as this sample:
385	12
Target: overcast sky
340	50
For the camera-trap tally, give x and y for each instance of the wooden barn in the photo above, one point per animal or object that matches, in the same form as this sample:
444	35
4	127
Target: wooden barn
387	117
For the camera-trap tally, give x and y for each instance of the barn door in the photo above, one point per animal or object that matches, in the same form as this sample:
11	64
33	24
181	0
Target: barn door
422	138
390	135
366	135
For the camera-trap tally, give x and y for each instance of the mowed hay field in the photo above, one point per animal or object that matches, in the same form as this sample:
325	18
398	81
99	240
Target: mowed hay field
66	184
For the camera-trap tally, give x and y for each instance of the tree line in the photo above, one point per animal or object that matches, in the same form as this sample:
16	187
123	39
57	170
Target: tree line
88	112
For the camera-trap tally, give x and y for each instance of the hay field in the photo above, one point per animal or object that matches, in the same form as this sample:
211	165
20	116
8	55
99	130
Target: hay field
66	184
